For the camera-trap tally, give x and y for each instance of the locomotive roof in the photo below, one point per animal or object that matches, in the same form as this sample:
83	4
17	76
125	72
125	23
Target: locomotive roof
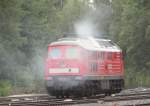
89	44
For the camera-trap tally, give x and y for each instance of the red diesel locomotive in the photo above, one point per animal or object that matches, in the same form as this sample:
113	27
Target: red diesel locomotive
84	66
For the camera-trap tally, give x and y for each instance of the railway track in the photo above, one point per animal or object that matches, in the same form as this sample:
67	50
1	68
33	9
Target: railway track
42	100
45	100
141	98
126	97
47	103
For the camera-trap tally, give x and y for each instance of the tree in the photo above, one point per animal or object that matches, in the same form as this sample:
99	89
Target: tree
131	32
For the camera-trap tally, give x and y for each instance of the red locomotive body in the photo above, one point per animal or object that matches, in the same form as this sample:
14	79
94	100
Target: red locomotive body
84	66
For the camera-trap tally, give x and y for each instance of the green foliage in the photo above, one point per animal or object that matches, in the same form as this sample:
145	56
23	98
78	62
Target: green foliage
137	79
131	21
5	87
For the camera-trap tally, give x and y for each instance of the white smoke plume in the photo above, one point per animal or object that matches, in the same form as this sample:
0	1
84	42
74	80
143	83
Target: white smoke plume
94	22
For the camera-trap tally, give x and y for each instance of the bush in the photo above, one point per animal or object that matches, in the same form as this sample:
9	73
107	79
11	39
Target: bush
136	78
5	87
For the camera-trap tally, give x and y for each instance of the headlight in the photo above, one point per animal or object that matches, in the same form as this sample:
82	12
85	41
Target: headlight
49	78
78	78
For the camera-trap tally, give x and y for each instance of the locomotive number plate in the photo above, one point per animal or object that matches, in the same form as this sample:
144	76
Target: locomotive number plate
63	70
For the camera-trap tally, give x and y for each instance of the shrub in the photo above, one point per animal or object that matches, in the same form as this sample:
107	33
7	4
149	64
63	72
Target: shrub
5	87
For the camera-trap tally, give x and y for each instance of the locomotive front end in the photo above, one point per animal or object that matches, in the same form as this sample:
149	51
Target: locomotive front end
63	69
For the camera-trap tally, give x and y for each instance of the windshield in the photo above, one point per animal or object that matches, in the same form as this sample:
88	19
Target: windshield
55	53
72	53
